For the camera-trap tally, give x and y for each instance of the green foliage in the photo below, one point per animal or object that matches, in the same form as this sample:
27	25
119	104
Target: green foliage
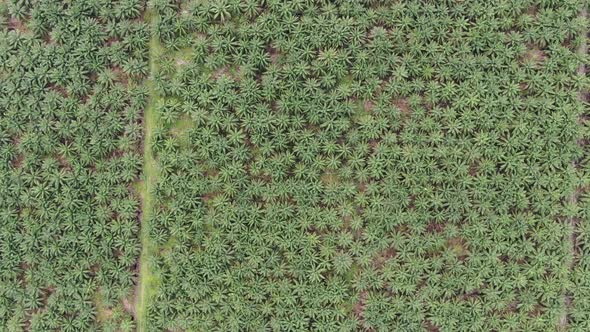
337	165
70	124
367	165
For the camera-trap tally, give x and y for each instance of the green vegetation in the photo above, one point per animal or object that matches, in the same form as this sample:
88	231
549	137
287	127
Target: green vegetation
298	165
71	103
369	165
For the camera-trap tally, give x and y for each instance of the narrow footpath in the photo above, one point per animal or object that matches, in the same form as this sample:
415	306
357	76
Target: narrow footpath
150	172
563	322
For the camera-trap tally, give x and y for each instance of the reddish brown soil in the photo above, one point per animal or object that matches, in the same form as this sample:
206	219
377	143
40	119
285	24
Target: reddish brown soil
404	106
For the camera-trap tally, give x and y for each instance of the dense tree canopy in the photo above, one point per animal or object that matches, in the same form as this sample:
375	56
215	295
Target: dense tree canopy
320	165
70	127
368	165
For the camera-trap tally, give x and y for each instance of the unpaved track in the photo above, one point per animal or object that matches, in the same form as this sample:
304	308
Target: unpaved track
150	173
573	199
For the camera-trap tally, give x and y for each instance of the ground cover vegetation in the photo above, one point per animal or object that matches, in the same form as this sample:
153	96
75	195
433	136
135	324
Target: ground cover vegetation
309	165
369	165
71	102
